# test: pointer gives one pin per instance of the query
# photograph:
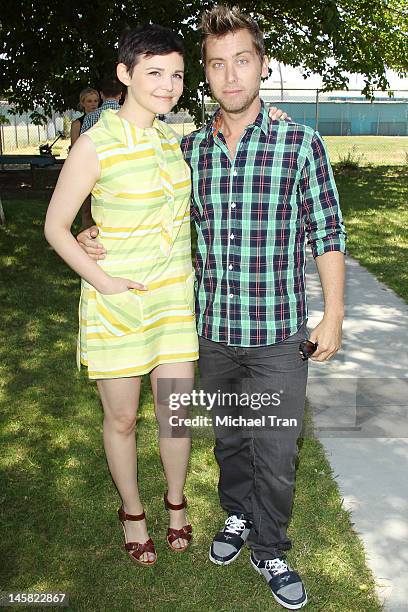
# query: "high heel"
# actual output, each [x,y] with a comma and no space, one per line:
[135,549]
[185,533]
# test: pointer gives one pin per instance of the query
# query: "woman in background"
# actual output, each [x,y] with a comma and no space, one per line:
[88,102]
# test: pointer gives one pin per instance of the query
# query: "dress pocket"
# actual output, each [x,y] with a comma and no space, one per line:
[119,313]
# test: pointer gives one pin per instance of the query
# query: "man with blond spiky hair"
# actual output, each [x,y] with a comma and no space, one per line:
[260,187]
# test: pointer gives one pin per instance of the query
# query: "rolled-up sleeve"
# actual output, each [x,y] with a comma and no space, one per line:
[320,200]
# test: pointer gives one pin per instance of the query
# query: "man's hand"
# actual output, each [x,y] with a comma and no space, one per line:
[328,336]
[277,113]
[87,240]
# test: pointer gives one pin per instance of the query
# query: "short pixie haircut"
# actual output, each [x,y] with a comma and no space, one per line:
[222,20]
[147,40]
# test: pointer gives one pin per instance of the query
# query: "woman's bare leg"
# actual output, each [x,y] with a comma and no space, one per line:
[174,452]
[120,400]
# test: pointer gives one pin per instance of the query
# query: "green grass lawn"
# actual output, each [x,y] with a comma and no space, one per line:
[371,150]
[375,206]
[59,529]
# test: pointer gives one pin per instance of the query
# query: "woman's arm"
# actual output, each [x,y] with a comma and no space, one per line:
[77,178]
[75,130]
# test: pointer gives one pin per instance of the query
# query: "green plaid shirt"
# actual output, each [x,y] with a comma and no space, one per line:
[253,215]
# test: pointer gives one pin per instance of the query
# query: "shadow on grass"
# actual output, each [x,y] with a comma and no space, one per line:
[377,187]
[59,526]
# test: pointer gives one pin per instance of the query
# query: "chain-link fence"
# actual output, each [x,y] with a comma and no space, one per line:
[355,129]
[19,134]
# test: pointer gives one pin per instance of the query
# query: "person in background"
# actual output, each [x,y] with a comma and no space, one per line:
[88,102]
[110,92]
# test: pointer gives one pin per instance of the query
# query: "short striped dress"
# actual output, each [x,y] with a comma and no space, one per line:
[141,205]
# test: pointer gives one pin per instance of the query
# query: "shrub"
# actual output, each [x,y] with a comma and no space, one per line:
[352,161]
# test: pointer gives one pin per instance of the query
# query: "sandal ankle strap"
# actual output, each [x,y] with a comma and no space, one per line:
[123,516]
[170,506]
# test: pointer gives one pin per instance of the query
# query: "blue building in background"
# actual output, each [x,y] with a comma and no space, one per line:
[348,117]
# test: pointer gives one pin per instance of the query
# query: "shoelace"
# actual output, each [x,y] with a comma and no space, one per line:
[277,566]
[234,525]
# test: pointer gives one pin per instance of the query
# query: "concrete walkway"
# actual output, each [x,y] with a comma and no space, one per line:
[360,404]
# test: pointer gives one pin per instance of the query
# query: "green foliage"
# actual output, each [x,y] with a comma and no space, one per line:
[53,49]
[38,118]
[4,120]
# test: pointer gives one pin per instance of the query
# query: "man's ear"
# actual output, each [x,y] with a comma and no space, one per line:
[265,67]
[123,75]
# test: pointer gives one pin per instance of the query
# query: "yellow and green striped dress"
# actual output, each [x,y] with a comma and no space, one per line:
[141,205]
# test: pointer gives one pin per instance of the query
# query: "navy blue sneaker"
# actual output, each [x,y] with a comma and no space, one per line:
[286,585]
[228,542]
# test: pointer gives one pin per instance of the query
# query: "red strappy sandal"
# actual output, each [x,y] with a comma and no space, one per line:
[135,549]
[185,533]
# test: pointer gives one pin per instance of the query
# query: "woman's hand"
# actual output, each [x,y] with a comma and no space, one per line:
[116,284]
[277,113]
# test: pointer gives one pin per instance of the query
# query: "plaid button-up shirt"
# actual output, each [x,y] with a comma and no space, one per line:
[93,117]
[253,214]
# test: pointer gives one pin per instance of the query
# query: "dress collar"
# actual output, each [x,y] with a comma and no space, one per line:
[126,132]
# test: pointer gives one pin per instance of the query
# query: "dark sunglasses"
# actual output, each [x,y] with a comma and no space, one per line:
[307,348]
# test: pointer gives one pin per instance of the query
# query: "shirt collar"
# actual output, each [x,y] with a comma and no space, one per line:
[160,126]
[262,121]
[109,103]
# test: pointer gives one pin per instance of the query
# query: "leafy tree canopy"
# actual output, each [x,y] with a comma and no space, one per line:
[50,50]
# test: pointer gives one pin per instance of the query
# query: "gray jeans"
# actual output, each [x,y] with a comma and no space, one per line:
[256,458]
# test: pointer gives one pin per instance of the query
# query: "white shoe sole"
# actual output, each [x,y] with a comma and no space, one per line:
[217,562]
[282,603]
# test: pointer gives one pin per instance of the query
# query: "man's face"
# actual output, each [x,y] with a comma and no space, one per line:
[234,70]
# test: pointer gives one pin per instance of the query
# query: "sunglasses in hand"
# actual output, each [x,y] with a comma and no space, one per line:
[307,348]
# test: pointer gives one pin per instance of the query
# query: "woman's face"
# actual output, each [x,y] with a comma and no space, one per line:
[90,103]
[156,83]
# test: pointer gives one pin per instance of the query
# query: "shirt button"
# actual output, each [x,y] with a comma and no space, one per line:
[232,236]
[233,205]
[231,295]
[230,267]
[235,173]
